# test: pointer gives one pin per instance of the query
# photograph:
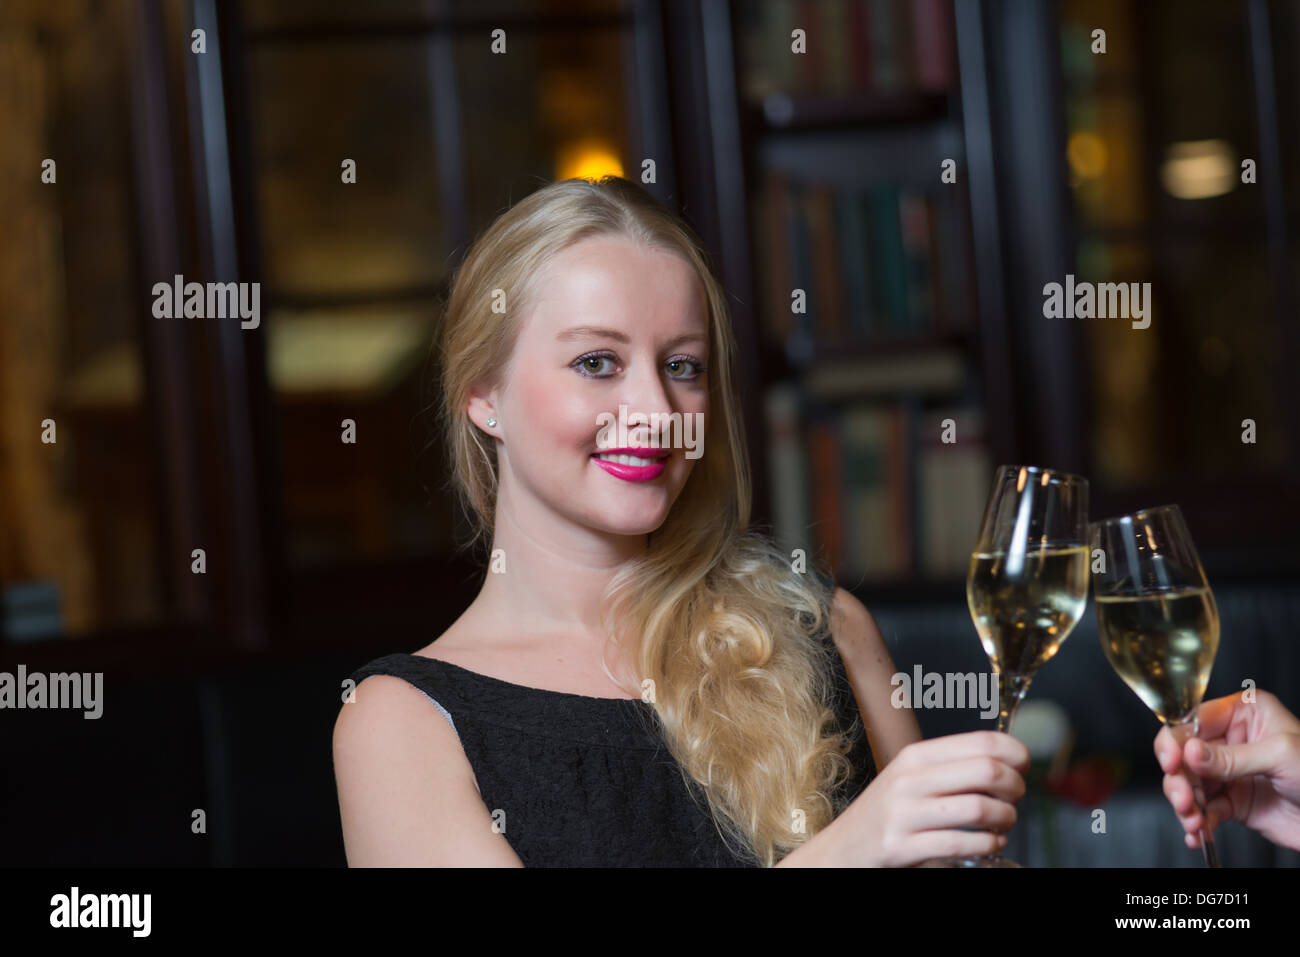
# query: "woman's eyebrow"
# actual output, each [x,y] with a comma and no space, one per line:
[598,332]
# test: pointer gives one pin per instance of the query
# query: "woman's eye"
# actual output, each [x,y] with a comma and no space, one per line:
[591,365]
[675,365]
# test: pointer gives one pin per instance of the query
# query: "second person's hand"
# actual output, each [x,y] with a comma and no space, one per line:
[1248,758]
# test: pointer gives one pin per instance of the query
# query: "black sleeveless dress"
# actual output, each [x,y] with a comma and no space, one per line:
[583,781]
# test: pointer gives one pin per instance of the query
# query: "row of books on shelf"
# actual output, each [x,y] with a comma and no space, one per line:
[867,261]
[874,488]
[875,47]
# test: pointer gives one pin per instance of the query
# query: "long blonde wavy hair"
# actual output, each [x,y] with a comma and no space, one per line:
[729,633]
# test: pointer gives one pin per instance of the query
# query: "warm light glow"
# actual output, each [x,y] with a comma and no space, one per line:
[1087,154]
[1199,169]
[587,159]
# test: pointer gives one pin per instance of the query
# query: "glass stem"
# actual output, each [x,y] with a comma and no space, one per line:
[1011,691]
[1183,731]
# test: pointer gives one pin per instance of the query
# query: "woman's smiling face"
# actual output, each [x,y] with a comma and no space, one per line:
[614,323]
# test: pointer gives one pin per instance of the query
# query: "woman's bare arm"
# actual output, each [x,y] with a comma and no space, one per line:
[407,796]
[870,669]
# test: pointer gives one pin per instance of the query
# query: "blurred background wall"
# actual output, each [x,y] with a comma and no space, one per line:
[919,170]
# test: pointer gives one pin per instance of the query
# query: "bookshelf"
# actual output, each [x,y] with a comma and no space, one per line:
[875,413]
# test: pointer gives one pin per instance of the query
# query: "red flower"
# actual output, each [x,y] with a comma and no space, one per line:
[1087,782]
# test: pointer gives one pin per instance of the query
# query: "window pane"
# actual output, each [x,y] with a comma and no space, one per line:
[1220,359]
[316,105]
[78,502]
[348,382]
[556,106]
[1168,400]
[1125,426]
[1157,128]
[1106,168]
[1203,114]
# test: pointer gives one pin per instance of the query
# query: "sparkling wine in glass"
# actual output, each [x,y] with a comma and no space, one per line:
[1158,622]
[1028,582]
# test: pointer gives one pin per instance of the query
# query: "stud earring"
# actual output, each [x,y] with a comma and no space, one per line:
[492,423]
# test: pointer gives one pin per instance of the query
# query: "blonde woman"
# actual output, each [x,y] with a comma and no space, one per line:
[642,680]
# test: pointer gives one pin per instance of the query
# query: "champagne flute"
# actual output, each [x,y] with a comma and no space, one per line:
[1028,582]
[1158,622]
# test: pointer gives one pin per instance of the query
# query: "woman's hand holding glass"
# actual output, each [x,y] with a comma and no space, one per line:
[915,809]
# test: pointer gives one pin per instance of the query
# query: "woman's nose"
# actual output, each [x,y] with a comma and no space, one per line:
[647,396]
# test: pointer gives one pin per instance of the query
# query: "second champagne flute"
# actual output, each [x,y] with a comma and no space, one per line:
[1159,624]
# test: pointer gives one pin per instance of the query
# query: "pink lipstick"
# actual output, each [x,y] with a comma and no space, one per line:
[650,465]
